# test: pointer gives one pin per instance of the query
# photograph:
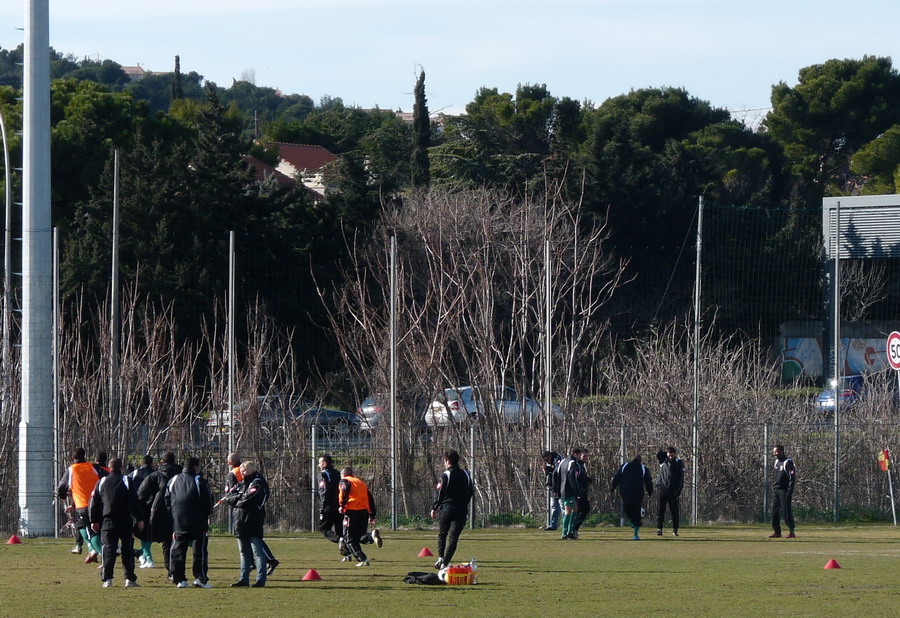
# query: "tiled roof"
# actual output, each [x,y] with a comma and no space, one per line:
[264,171]
[303,157]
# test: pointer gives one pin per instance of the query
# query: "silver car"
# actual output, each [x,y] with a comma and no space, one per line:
[454,405]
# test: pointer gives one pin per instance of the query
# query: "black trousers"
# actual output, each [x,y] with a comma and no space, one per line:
[331,524]
[781,507]
[584,509]
[178,556]
[356,524]
[633,513]
[112,533]
[167,554]
[451,522]
[667,498]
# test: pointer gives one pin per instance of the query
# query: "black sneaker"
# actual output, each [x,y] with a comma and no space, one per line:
[258,585]
[674,532]
[439,564]
[659,532]
[273,564]
[240,584]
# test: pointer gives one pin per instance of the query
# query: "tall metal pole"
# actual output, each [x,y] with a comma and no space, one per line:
[115,332]
[36,427]
[56,334]
[695,421]
[837,360]
[548,368]
[7,266]
[230,343]
[393,385]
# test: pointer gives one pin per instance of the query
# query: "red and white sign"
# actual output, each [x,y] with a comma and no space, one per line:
[893,350]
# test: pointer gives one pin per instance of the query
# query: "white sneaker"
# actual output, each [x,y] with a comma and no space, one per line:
[376,536]
[131,583]
[183,584]
[200,584]
[347,558]
[146,564]
[142,562]
[363,563]
[107,583]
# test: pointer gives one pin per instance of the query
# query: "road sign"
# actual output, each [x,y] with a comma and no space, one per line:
[893,350]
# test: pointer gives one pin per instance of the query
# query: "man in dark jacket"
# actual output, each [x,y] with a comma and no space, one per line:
[330,520]
[632,479]
[189,499]
[451,506]
[152,492]
[551,460]
[785,479]
[137,477]
[582,503]
[113,508]
[248,501]
[567,486]
[232,480]
[669,482]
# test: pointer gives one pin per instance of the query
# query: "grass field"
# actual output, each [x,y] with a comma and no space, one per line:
[715,571]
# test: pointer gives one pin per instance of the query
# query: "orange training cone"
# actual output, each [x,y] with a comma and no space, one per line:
[14,540]
[312,576]
[832,564]
[425,553]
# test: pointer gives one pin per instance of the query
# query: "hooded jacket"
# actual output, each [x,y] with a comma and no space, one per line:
[632,479]
[152,492]
[189,498]
[248,501]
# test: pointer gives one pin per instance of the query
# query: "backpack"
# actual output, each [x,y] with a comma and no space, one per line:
[421,577]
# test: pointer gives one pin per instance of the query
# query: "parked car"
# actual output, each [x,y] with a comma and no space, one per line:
[851,390]
[454,405]
[375,410]
[273,412]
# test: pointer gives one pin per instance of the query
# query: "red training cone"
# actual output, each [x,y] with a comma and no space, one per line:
[312,576]
[14,540]
[425,553]
[832,564]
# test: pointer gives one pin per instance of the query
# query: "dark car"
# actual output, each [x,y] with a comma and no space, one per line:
[309,413]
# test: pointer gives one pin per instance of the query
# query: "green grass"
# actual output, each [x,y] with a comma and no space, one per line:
[734,571]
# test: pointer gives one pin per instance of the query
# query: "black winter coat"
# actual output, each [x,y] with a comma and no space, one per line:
[190,500]
[152,492]
[248,501]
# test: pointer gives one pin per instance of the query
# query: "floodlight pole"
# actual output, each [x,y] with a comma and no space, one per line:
[548,368]
[36,425]
[115,416]
[836,290]
[393,380]
[695,421]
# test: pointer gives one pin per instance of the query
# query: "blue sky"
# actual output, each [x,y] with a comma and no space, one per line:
[368,53]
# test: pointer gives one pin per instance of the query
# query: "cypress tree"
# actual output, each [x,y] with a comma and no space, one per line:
[421,173]
[177,92]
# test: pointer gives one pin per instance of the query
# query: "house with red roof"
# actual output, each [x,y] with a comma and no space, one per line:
[305,163]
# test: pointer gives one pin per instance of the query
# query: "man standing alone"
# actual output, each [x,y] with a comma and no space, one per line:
[669,482]
[785,479]
[114,507]
[451,506]
[632,479]
[190,501]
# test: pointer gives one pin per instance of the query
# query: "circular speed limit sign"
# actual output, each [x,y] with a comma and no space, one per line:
[893,350]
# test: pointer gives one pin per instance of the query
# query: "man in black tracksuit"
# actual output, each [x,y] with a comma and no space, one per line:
[451,506]
[582,504]
[113,509]
[669,482]
[248,502]
[152,492]
[330,519]
[785,479]
[632,479]
[189,499]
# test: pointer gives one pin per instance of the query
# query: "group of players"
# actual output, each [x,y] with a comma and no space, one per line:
[172,505]
[568,482]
